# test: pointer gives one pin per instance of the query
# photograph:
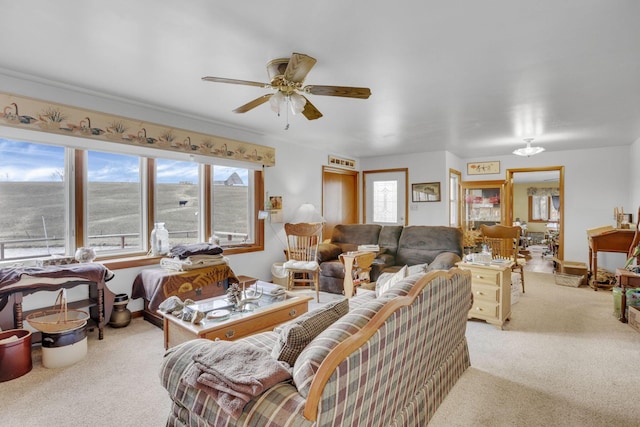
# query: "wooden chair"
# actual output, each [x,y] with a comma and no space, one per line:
[504,242]
[302,248]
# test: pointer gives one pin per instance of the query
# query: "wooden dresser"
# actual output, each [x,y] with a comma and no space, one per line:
[491,287]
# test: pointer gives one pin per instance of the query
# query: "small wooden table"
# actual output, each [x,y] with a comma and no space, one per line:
[238,325]
[626,280]
[357,269]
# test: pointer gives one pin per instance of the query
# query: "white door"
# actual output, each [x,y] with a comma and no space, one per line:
[385,197]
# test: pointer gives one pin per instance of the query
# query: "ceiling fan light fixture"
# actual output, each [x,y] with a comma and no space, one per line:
[276,102]
[297,103]
[528,151]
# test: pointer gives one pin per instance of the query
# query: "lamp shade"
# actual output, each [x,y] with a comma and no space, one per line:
[307,213]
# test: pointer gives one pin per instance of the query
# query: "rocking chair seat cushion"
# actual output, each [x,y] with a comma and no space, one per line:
[301,265]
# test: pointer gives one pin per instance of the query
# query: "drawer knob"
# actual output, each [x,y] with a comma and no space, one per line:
[478,309]
[478,293]
[478,276]
[292,313]
[230,333]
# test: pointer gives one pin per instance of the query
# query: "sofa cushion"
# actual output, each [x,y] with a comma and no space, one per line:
[387,280]
[297,334]
[352,235]
[422,243]
[312,356]
[389,236]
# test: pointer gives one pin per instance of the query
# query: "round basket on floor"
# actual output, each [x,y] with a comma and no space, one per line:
[58,318]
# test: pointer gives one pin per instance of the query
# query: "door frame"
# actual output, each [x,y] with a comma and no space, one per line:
[406,191]
[509,199]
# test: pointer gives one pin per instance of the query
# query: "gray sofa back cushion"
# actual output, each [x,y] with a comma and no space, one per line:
[389,236]
[419,243]
[349,236]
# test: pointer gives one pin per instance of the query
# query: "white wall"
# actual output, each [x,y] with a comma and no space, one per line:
[423,167]
[634,179]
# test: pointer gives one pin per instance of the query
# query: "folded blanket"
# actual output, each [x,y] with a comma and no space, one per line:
[192,262]
[233,373]
[186,250]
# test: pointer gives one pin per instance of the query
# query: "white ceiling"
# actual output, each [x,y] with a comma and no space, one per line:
[471,77]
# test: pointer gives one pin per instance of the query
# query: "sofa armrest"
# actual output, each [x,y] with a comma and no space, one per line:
[328,252]
[444,261]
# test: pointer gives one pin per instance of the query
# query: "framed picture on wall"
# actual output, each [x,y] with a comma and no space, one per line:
[425,192]
[483,168]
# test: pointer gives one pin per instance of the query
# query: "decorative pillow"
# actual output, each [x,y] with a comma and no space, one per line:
[387,280]
[295,335]
[418,268]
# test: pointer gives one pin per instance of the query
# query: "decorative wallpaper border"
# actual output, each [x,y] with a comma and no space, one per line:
[22,112]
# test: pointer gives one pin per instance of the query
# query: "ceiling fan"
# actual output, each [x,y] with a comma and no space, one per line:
[287,76]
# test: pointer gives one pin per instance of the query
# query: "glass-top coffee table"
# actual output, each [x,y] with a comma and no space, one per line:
[264,316]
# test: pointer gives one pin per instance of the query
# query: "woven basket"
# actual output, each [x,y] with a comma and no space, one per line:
[568,279]
[58,318]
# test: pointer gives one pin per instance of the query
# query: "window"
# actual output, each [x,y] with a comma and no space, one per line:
[114,203]
[454,198]
[231,204]
[57,198]
[385,200]
[542,209]
[178,200]
[32,191]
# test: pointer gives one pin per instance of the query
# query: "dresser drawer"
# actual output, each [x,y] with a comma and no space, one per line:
[483,309]
[485,276]
[484,292]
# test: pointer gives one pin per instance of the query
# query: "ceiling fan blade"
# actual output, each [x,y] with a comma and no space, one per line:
[253,104]
[346,91]
[310,111]
[298,67]
[235,82]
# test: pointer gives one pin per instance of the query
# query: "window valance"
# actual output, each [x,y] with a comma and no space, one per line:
[50,117]
[540,191]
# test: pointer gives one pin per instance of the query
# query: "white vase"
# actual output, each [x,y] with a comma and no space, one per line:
[159,239]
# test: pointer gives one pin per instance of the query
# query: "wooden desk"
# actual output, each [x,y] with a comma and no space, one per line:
[626,280]
[612,240]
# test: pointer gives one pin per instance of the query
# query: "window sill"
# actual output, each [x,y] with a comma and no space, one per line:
[144,260]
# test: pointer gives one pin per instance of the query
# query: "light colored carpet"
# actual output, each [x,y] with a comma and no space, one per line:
[563,359]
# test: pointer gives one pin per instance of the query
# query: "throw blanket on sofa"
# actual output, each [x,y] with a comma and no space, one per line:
[233,373]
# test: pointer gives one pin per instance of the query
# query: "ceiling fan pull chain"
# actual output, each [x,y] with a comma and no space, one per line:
[286,107]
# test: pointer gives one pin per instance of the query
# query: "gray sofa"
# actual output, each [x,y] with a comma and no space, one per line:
[437,246]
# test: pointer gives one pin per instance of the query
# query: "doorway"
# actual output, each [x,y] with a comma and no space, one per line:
[545,182]
[339,198]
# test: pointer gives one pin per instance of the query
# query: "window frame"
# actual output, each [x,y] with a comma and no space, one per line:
[531,203]
[76,200]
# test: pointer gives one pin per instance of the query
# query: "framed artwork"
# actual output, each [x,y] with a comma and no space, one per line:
[425,192]
[483,168]
[345,163]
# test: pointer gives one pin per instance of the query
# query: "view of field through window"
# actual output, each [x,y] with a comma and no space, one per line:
[33,188]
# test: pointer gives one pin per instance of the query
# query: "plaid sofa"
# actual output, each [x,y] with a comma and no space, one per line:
[390,361]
